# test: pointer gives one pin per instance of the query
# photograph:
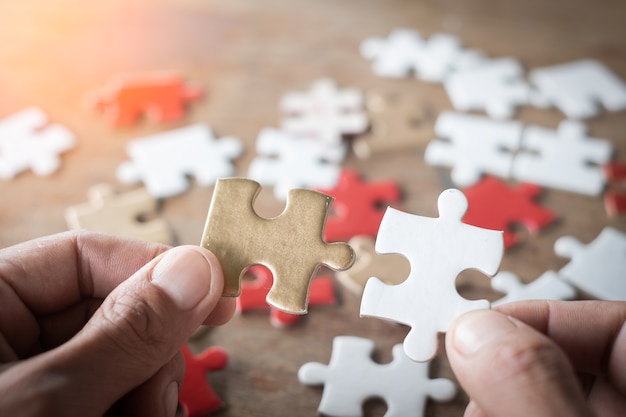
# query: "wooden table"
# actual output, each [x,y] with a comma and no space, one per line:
[247,54]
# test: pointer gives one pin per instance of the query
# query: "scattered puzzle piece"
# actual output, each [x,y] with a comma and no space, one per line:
[196,396]
[549,286]
[563,159]
[576,88]
[394,56]
[397,122]
[358,207]
[253,293]
[496,86]
[615,199]
[473,146]
[160,97]
[28,141]
[286,162]
[438,249]
[324,112]
[290,245]
[119,214]
[164,160]
[390,268]
[598,267]
[352,377]
[494,205]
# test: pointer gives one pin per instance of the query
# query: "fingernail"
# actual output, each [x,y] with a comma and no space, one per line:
[478,328]
[171,399]
[185,275]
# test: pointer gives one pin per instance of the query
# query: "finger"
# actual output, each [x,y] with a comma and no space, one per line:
[223,312]
[137,329]
[592,333]
[472,410]
[509,369]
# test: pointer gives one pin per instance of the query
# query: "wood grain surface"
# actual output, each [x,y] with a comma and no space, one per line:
[246,54]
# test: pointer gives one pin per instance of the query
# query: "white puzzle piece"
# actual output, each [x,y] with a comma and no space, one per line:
[598,268]
[495,86]
[352,377]
[287,162]
[576,88]
[566,159]
[28,141]
[164,160]
[473,146]
[549,286]
[324,112]
[395,56]
[438,249]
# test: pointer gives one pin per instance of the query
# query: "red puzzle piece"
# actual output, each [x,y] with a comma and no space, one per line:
[494,205]
[615,199]
[196,396]
[160,97]
[358,206]
[253,293]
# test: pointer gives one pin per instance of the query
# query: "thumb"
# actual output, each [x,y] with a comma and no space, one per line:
[141,325]
[509,369]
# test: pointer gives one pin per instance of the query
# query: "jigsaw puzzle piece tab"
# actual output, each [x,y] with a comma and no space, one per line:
[357,208]
[394,56]
[598,267]
[392,269]
[565,159]
[324,112]
[549,286]
[29,141]
[441,56]
[196,396]
[496,86]
[119,214]
[494,205]
[352,377]
[164,161]
[473,146]
[438,250]
[286,162]
[161,97]
[290,245]
[576,88]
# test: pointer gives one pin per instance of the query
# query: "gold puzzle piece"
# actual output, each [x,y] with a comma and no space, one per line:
[392,269]
[398,121]
[290,245]
[119,214]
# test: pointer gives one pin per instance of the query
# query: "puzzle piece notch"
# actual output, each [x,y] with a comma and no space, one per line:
[598,267]
[286,162]
[494,205]
[394,56]
[357,208]
[615,199]
[392,269]
[161,97]
[438,249]
[548,286]
[496,86]
[566,159]
[253,294]
[443,55]
[29,141]
[324,112]
[109,212]
[290,245]
[576,88]
[397,122]
[351,377]
[473,146]
[196,396]
[164,160]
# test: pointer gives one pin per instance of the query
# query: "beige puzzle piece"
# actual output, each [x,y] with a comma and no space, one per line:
[290,245]
[392,269]
[119,214]
[398,121]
